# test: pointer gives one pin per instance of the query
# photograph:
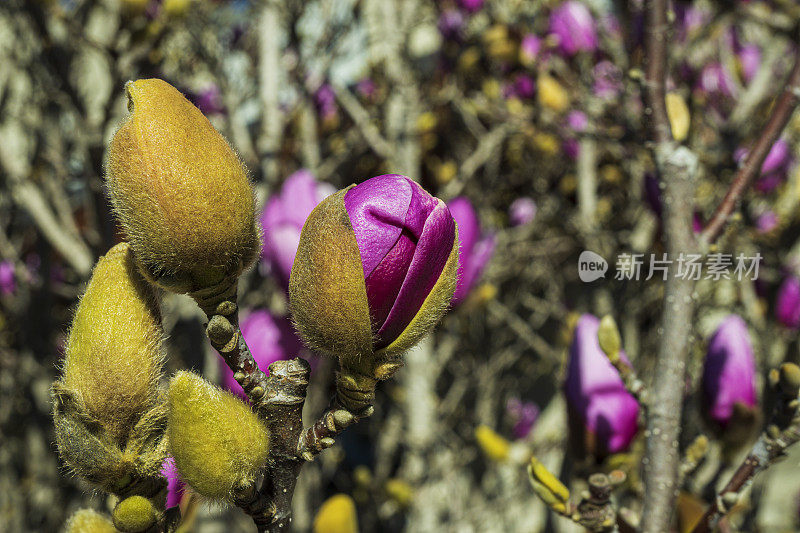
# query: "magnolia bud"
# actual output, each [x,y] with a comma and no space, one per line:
[180,192]
[374,272]
[89,521]
[134,514]
[218,443]
[114,353]
[679,117]
[337,515]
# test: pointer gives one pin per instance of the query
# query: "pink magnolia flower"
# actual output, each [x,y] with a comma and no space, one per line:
[787,305]
[574,26]
[405,237]
[471,6]
[529,48]
[524,416]
[270,338]
[476,248]
[603,416]
[283,219]
[775,167]
[175,485]
[729,371]
[8,281]
[522,211]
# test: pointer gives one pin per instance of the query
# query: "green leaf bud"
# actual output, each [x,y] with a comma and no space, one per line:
[134,514]
[218,443]
[180,192]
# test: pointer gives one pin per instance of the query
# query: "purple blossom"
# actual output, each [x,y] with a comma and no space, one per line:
[8,281]
[270,338]
[729,371]
[689,20]
[405,237]
[573,25]
[523,415]
[175,485]
[209,100]
[571,147]
[476,248]
[529,48]
[750,61]
[787,305]
[522,211]
[325,100]
[524,86]
[603,416]
[767,222]
[715,79]
[283,219]
[577,121]
[451,24]
[607,80]
[775,166]
[471,6]
[366,88]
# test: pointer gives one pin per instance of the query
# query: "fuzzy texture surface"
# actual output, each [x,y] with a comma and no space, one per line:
[729,371]
[89,521]
[134,514]
[475,250]
[603,415]
[283,219]
[217,441]
[114,352]
[337,515]
[327,292]
[181,193]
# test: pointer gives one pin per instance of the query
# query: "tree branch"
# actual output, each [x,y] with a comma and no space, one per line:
[751,168]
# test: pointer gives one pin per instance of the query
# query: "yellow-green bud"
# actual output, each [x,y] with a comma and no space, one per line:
[337,515]
[218,443]
[181,193]
[134,514]
[679,117]
[114,353]
[492,444]
[609,338]
[89,521]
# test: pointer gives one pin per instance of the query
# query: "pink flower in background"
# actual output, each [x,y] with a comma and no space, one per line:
[577,121]
[603,416]
[475,250]
[524,416]
[366,88]
[608,82]
[529,48]
[283,219]
[451,24]
[729,371]
[573,25]
[8,281]
[471,6]
[775,167]
[209,100]
[524,86]
[269,338]
[325,100]
[787,305]
[175,486]
[766,222]
[750,61]
[716,80]
[405,237]
[522,211]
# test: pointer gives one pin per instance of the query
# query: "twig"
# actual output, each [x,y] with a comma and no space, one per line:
[750,169]
[269,70]
[587,180]
[771,445]
[360,116]
[677,166]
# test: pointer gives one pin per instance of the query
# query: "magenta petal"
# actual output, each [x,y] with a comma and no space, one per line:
[596,394]
[378,209]
[432,250]
[470,271]
[787,305]
[175,485]
[469,230]
[729,370]
[385,282]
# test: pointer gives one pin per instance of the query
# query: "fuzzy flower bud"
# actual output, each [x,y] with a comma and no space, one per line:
[476,247]
[134,514]
[180,192]
[787,305]
[283,219]
[375,270]
[218,443]
[114,353]
[602,413]
[89,521]
[729,372]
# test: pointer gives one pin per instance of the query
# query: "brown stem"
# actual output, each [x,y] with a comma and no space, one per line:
[751,168]
[656,27]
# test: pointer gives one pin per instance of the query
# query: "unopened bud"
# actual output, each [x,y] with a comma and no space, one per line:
[134,515]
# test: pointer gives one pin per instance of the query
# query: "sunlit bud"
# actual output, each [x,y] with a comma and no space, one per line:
[337,515]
